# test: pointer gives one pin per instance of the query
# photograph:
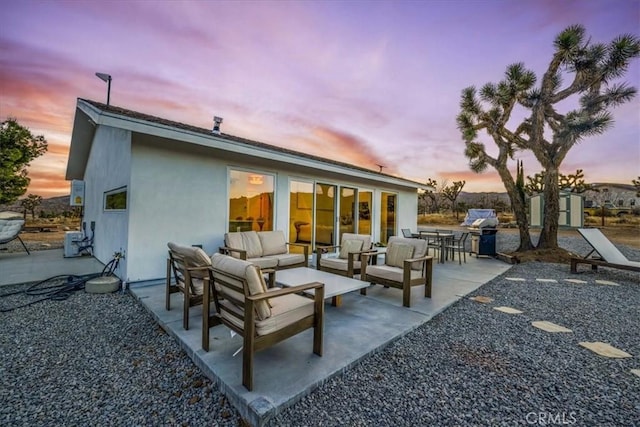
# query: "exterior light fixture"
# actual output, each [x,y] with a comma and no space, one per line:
[106,78]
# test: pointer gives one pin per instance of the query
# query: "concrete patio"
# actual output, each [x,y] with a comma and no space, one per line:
[286,372]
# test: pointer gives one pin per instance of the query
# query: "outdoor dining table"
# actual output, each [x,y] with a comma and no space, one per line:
[441,238]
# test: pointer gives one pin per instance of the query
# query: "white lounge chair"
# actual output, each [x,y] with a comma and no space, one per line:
[10,230]
[609,255]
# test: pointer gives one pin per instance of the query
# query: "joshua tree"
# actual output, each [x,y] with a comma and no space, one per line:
[593,68]
[491,112]
[451,193]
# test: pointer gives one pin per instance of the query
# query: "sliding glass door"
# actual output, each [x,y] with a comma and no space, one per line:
[387,216]
[325,214]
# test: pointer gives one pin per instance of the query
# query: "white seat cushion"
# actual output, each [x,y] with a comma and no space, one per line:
[390,273]
[264,262]
[338,264]
[9,229]
[289,259]
[286,310]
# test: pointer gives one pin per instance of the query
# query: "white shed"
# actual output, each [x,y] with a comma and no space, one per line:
[149,181]
[571,210]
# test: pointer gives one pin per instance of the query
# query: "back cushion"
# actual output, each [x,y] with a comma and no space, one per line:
[273,242]
[245,240]
[419,248]
[193,257]
[350,246]
[397,253]
[243,270]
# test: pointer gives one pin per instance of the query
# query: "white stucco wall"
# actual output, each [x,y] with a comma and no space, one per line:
[183,197]
[175,196]
[108,168]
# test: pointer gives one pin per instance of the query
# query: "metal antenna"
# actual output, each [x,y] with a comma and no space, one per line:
[381,166]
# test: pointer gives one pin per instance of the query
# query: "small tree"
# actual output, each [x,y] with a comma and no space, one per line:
[451,193]
[17,148]
[572,182]
[433,199]
[636,183]
[30,204]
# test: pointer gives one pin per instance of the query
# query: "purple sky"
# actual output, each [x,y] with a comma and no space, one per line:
[362,82]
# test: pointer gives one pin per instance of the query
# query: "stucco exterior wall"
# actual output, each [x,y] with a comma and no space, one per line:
[181,196]
[108,168]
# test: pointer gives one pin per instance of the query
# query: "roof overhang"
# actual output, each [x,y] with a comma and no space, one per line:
[89,116]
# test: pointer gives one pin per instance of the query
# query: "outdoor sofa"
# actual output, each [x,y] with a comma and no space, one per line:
[266,249]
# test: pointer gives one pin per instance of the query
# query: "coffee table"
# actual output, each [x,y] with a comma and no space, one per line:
[334,285]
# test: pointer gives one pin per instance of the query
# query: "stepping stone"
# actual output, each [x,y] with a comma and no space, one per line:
[636,371]
[547,280]
[576,281]
[604,349]
[508,310]
[607,282]
[515,279]
[550,327]
[484,300]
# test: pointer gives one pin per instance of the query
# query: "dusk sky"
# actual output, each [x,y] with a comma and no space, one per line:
[363,82]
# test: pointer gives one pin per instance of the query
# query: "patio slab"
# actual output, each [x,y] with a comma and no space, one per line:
[288,371]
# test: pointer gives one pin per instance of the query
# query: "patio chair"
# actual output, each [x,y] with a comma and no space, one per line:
[348,261]
[406,265]
[10,230]
[458,244]
[406,233]
[263,317]
[609,255]
[187,273]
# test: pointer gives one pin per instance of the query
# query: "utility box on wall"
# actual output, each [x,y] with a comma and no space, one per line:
[571,210]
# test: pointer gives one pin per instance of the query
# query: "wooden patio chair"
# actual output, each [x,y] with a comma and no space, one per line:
[262,316]
[10,230]
[406,265]
[609,255]
[350,251]
[187,273]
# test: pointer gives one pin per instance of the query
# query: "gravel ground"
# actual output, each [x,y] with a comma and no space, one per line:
[101,360]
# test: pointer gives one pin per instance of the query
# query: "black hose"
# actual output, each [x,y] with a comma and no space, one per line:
[60,287]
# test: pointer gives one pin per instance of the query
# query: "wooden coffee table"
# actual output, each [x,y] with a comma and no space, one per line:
[334,285]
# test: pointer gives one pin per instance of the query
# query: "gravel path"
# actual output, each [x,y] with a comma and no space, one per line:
[101,360]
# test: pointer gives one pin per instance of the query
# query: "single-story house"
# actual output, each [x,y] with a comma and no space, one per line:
[148,181]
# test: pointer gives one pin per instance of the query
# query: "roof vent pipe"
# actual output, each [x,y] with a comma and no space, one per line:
[216,125]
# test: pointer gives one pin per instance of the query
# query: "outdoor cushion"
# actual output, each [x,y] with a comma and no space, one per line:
[397,253]
[248,271]
[338,264]
[349,246]
[193,256]
[366,241]
[287,309]
[9,228]
[273,242]
[264,262]
[419,248]
[245,240]
[290,259]
[390,273]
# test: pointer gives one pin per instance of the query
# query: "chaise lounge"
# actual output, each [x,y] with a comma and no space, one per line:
[10,230]
[609,255]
